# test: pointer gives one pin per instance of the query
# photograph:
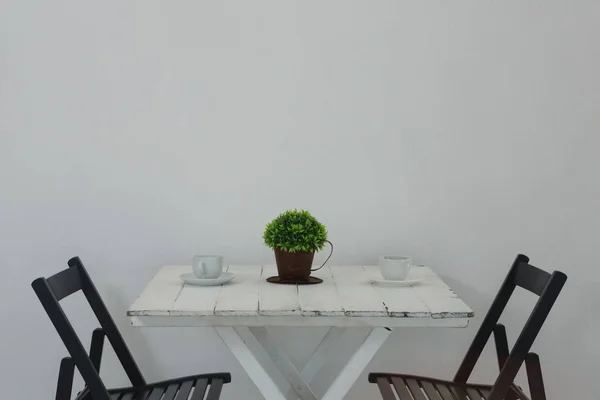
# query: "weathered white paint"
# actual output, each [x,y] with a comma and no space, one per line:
[191,301]
[162,291]
[277,300]
[441,299]
[345,298]
[349,281]
[239,298]
[321,300]
[404,301]
[296,321]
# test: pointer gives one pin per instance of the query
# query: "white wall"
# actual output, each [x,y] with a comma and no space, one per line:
[134,134]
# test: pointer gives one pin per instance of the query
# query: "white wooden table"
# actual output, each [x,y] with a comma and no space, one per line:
[345,299]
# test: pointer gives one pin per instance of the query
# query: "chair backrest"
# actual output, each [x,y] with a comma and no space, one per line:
[547,287]
[55,288]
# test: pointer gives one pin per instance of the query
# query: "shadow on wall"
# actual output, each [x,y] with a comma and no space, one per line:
[139,345]
[514,317]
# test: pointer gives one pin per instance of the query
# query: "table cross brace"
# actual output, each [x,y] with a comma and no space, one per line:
[300,381]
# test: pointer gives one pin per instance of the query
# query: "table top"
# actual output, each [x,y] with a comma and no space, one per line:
[347,297]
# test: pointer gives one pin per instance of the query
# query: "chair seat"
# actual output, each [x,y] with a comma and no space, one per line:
[410,387]
[187,388]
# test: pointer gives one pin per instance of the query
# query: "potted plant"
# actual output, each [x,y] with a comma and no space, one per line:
[295,236]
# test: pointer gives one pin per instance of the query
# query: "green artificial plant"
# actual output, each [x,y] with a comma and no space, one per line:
[294,231]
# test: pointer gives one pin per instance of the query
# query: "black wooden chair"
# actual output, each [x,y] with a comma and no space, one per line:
[547,287]
[55,288]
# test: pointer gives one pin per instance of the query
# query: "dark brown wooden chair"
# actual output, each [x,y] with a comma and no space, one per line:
[547,287]
[50,291]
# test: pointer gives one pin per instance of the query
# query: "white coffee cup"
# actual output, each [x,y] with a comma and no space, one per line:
[207,267]
[394,268]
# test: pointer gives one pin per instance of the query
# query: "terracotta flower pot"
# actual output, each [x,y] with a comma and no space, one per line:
[296,267]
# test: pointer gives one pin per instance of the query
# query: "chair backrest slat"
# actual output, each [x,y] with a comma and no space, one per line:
[488,324]
[65,283]
[531,278]
[55,288]
[522,274]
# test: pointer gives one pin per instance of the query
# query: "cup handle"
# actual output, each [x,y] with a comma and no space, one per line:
[328,257]
[203,268]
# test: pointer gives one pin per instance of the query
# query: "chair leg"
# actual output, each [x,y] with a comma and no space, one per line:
[96,347]
[502,351]
[534,376]
[501,344]
[65,379]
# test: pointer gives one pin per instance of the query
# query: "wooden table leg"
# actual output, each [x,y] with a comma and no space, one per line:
[357,363]
[249,363]
[283,363]
[318,357]
[300,381]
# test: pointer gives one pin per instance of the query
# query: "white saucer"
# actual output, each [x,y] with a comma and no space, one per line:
[191,279]
[387,282]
